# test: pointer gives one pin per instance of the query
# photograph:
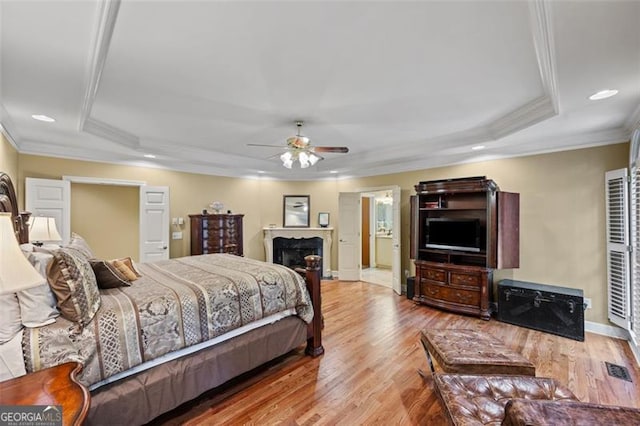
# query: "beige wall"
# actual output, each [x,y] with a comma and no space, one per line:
[562,237]
[8,159]
[562,214]
[109,214]
[260,200]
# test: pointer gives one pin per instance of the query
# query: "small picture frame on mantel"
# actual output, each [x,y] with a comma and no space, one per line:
[323,219]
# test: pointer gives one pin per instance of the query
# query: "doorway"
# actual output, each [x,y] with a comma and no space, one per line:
[153,211]
[382,236]
[377,227]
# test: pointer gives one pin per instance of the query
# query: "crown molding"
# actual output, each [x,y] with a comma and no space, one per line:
[7,128]
[109,132]
[7,135]
[527,115]
[106,21]
[544,44]
[545,106]
[633,122]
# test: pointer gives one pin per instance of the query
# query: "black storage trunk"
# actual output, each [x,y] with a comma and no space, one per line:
[556,310]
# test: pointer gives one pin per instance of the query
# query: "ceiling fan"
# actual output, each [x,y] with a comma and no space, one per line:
[299,148]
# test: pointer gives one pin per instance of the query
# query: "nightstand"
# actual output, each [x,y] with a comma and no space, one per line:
[50,386]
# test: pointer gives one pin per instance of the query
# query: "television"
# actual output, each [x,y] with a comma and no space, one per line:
[454,234]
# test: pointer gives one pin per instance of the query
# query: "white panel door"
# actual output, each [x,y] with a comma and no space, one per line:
[50,198]
[349,236]
[154,223]
[395,249]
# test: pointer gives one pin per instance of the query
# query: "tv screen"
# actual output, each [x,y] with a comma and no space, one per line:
[454,234]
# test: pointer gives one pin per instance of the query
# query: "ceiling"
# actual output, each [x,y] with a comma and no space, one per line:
[404,85]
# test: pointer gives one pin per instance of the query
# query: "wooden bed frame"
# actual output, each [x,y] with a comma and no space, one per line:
[140,398]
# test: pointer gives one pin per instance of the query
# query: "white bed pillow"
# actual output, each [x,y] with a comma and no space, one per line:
[11,358]
[38,306]
[10,322]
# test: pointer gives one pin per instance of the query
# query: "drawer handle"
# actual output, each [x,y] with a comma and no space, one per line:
[433,291]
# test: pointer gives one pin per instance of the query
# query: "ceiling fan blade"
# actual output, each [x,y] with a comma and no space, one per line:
[269,146]
[334,149]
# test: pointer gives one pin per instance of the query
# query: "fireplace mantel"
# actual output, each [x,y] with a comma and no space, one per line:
[324,233]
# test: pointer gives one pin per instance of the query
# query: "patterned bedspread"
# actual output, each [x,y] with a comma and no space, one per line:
[176,303]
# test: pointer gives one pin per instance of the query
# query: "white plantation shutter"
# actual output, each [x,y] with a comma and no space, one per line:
[618,271]
[634,326]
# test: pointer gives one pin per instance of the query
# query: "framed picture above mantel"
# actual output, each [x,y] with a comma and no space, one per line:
[295,211]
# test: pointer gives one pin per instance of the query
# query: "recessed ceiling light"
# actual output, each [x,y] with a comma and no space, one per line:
[478,147]
[603,94]
[41,117]
[149,156]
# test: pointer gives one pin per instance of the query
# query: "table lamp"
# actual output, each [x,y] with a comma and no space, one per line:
[16,273]
[43,229]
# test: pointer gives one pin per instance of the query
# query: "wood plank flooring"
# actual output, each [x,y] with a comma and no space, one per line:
[368,374]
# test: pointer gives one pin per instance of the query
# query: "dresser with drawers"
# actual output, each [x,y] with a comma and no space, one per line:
[458,288]
[216,233]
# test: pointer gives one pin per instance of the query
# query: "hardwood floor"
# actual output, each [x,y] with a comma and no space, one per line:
[368,374]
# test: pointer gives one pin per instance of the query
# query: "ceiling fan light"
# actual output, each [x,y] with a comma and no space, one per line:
[303,157]
[287,163]
[313,159]
[286,157]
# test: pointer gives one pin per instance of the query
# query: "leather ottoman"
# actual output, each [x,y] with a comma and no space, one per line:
[481,399]
[520,412]
[473,352]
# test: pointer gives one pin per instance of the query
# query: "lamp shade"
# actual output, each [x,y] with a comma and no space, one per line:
[16,273]
[43,229]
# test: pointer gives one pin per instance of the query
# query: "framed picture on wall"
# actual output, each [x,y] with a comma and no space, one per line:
[323,219]
[295,211]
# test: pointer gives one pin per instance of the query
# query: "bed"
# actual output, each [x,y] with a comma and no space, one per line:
[181,327]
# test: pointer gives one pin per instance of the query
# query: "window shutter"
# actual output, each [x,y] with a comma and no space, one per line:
[618,271]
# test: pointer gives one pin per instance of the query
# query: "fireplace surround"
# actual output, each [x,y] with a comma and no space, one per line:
[299,240]
[292,251]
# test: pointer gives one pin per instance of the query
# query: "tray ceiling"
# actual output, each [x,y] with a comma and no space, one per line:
[405,85]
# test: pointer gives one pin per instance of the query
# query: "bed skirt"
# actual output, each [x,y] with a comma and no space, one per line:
[140,398]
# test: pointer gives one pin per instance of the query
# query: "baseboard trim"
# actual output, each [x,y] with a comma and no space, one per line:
[606,330]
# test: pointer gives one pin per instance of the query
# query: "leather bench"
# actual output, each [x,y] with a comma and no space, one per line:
[520,412]
[473,352]
[481,399]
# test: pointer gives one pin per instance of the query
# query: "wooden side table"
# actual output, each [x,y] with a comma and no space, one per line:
[50,386]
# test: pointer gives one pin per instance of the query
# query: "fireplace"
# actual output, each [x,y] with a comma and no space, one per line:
[305,241]
[291,251]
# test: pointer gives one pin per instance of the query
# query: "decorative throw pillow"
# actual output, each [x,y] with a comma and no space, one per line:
[80,244]
[107,275]
[73,282]
[127,261]
[10,323]
[124,269]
